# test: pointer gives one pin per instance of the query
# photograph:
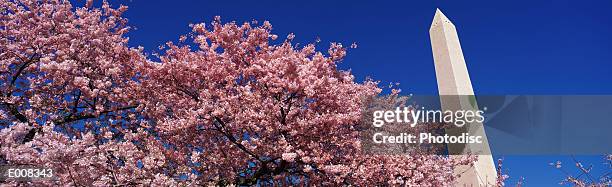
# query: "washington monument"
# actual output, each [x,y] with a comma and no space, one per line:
[455,90]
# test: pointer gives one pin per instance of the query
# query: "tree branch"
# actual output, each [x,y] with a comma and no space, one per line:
[233,140]
[71,118]
[33,58]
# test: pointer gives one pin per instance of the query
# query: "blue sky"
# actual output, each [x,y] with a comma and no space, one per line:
[511,47]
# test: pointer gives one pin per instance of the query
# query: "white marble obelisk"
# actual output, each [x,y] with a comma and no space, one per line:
[455,89]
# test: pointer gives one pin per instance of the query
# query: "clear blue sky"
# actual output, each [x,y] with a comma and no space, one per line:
[511,47]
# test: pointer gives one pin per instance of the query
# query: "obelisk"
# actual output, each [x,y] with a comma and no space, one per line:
[456,93]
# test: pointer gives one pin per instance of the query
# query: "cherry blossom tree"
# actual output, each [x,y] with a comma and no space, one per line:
[585,176]
[65,80]
[228,104]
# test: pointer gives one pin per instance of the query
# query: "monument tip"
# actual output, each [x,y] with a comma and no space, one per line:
[438,11]
[440,18]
